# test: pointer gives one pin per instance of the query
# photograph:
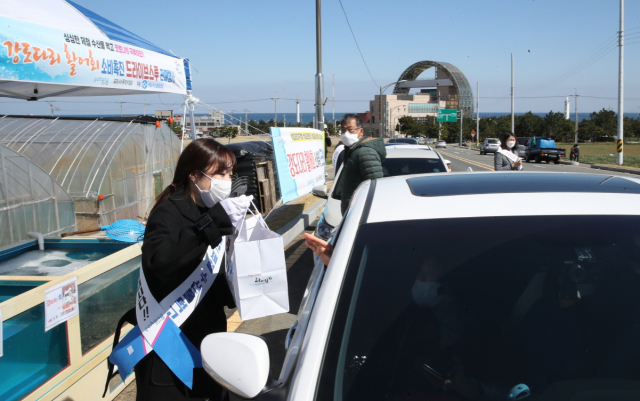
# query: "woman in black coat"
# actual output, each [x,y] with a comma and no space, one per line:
[186,219]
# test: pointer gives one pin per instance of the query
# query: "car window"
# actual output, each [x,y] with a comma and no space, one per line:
[534,306]
[493,141]
[405,166]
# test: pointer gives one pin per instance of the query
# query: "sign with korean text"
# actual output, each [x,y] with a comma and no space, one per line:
[60,303]
[447,115]
[300,160]
[35,53]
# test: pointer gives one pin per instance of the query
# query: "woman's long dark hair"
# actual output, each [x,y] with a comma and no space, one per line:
[197,157]
[503,142]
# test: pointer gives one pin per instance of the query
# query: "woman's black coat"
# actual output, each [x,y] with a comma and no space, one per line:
[173,247]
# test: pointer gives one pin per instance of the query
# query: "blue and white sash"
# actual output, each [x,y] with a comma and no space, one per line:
[511,156]
[159,322]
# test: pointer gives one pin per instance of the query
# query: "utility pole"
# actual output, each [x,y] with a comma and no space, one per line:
[513,124]
[319,78]
[576,95]
[461,116]
[51,107]
[275,112]
[477,112]
[620,157]
[246,121]
[297,111]
[333,99]
[120,106]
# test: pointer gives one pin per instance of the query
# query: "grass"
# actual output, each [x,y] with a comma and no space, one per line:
[605,153]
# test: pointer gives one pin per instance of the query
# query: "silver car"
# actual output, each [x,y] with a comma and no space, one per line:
[490,145]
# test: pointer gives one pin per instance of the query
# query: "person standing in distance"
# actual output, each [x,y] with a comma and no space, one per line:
[363,160]
[507,159]
[190,215]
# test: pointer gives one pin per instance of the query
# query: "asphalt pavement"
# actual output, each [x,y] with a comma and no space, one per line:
[462,158]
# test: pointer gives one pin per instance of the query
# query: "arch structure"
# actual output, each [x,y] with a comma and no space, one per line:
[460,98]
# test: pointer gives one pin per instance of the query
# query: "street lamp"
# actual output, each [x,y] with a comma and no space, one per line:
[380,100]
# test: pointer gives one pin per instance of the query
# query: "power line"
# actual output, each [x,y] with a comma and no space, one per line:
[354,39]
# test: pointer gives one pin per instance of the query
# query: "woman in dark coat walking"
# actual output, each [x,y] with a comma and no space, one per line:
[187,218]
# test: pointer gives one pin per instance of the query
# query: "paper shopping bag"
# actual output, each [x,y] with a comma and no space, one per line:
[256,270]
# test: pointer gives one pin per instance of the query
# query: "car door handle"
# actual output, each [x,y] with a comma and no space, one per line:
[290,333]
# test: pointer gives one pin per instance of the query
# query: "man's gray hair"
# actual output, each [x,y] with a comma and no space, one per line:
[347,117]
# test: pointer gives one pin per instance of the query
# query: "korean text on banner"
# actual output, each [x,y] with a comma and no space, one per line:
[60,303]
[37,53]
[300,160]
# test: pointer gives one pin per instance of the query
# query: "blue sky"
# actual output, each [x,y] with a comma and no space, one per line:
[245,50]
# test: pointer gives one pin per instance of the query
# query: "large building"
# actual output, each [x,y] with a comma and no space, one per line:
[447,89]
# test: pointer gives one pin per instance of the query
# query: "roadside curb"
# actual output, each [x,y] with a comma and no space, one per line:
[296,226]
[569,163]
[618,169]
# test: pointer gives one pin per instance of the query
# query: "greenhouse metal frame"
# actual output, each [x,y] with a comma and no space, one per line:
[113,168]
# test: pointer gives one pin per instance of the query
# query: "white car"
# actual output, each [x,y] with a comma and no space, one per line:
[400,160]
[441,144]
[426,284]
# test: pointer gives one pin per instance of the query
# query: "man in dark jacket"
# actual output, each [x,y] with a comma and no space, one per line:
[363,160]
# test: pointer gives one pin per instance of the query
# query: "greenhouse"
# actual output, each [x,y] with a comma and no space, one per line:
[30,200]
[112,168]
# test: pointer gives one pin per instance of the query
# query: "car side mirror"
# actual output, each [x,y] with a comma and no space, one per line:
[320,191]
[238,362]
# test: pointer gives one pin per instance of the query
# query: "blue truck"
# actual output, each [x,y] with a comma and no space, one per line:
[541,148]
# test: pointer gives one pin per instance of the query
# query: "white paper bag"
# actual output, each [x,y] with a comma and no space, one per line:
[256,270]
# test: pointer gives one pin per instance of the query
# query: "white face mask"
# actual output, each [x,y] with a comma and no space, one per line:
[511,144]
[349,139]
[218,191]
[425,294]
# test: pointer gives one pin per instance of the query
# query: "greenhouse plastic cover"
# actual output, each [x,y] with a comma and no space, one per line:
[30,200]
[128,163]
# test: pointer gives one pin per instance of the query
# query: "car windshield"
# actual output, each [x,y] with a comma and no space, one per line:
[488,303]
[401,166]
[493,141]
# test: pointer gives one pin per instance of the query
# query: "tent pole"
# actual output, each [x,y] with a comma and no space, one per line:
[191,103]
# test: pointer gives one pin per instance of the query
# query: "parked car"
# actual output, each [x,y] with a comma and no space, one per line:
[542,148]
[522,146]
[410,141]
[441,144]
[417,292]
[490,145]
[464,143]
[399,161]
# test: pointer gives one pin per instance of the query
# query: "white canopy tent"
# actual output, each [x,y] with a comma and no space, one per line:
[59,48]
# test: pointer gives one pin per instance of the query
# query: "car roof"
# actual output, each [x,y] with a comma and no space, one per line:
[413,152]
[476,194]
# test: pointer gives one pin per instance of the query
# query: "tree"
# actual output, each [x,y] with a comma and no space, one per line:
[528,125]
[175,127]
[556,126]
[601,125]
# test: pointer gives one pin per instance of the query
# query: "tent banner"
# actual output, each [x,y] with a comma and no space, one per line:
[36,53]
[300,160]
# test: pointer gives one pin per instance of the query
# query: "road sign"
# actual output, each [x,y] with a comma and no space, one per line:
[473,134]
[447,115]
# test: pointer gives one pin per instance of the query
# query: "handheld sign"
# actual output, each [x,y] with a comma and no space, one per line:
[300,160]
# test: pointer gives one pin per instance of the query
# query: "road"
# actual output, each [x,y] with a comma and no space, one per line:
[462,158]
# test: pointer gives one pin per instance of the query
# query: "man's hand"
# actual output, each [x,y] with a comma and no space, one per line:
[323,249]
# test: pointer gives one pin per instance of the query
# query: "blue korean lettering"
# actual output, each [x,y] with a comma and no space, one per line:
[189,295]
[215,258]
[107,66]
[210,266]
[182,305]
[203,276]
[118,68]
[174,311]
